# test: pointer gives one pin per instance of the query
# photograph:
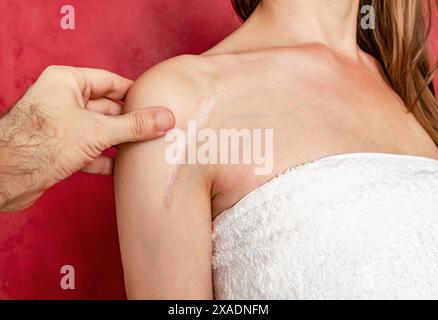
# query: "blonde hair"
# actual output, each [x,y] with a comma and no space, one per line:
[399,43]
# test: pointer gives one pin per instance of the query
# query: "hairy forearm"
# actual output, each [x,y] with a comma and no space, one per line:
[5,180]
[4,192]
[18,151]
[5,170]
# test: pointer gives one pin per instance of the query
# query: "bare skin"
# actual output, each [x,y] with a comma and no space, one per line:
[295,68]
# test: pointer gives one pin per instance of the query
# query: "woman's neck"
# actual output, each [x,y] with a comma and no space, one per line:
[293,22]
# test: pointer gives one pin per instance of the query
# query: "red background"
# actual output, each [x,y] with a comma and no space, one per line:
[74,223]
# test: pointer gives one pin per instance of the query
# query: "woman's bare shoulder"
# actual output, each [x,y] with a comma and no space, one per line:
[180,83]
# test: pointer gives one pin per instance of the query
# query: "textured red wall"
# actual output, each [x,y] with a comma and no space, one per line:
[74,223]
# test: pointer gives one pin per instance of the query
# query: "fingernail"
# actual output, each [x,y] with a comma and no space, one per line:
[164,120]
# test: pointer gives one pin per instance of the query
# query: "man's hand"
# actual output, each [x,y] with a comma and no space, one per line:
[62,125]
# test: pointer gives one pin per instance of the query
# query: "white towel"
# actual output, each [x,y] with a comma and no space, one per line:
[354,226]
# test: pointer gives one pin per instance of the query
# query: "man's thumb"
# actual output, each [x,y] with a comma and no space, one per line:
[140,125]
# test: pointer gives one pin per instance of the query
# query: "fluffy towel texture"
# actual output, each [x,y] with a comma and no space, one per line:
[354,226]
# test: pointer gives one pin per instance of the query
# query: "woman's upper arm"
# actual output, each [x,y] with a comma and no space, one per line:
[163,213]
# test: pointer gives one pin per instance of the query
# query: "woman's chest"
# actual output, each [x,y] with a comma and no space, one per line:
[257,141]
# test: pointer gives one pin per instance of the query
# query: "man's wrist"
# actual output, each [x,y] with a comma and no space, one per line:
[4,192]
[16,172]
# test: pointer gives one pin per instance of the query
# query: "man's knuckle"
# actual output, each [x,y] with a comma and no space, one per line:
[139,124]
[49,69]
[52,69]
[59,73]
